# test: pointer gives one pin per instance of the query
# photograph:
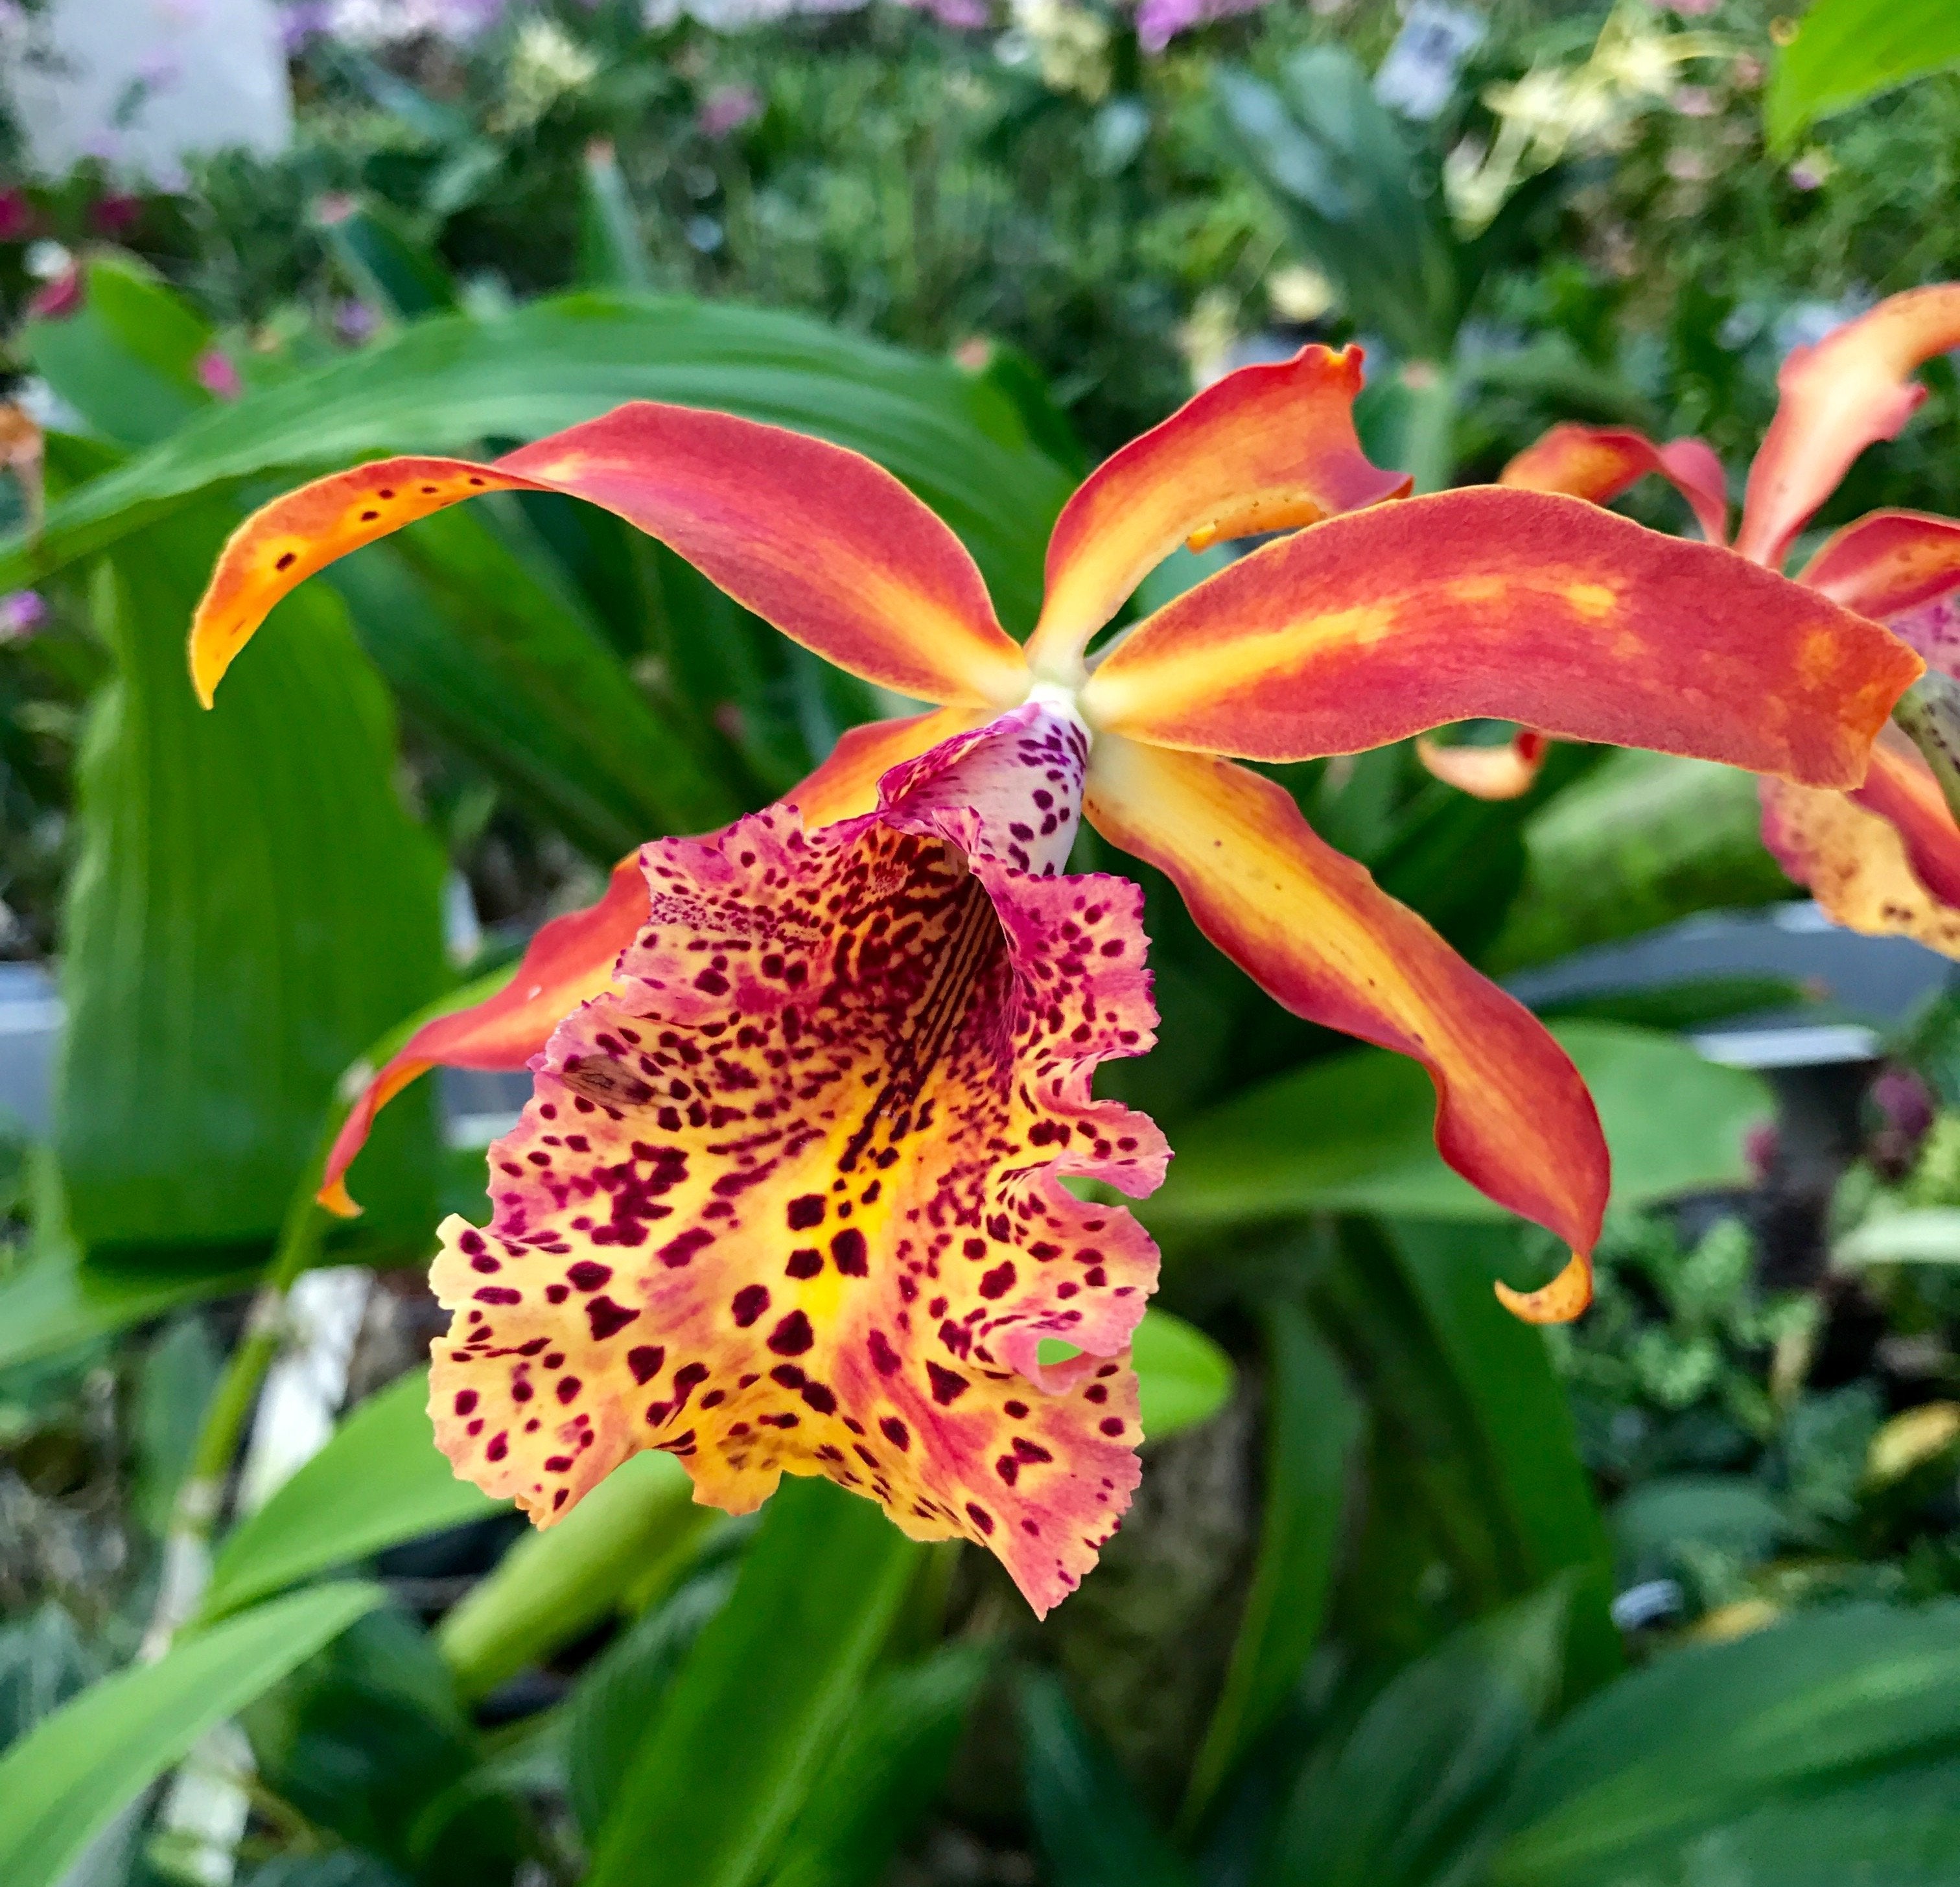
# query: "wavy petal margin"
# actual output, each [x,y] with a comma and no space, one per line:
[846,785]
[815,539]
[1509,606]
[1894,567]
[1599,462]
[569,960]
[1266,448]
[1507,772]
[1312,928]
[1885,861]
[788,1198]
[1850,391]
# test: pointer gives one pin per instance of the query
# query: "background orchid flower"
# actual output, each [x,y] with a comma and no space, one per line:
[787,1195]
[1884,857]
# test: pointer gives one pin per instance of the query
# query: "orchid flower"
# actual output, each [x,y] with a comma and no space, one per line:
[1885,857]
[788,1194]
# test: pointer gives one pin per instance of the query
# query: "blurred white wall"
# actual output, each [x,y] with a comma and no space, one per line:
[139,83]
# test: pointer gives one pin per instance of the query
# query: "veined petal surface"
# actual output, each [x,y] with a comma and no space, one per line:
[1312,928]
[788,1195]
[1513,606]
[1849,390]
[1900,569]
[1507,772]
[1599,462]
[1885,861]
[569,960]
[815,539]
[1266,448]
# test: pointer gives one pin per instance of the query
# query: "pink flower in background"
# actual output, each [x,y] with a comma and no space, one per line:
[22,611]
[1690,9]
[726,109]
[1694,101]
[114,216]
[216,375]
[1161,21]
[16,216]
[58,299]
[965,16]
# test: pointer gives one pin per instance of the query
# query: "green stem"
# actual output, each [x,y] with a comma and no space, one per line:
[1429,443]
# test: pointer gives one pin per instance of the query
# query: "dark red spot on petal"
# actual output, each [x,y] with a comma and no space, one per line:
[645,1362]
[947,1385]
[847,1253]
[608,1319]
[748,1303]
[792,1337]
[585,1275]
[806,1211]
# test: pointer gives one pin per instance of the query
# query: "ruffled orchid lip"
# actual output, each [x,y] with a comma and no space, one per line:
[788,1197]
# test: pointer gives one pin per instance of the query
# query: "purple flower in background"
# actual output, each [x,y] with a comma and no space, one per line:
[217,376]
[1161,21]
[727,109]
[965,16]
[303,22]
[355,321]
[159,69]
[22,611]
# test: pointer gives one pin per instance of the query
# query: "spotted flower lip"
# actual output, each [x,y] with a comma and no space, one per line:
[1882,857]
[882,983]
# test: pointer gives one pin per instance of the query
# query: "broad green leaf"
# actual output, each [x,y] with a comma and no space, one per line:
[384,258]
[173,1390]
[252,907]
[125,358]
[1729,1514]
[1846,51]
[1313,1426]
[1092,1827]
[1803,1734]
[450,381]
[1405,1799]
[768,1688]
[66,1781]
[482,650]
[555,1585]
[1354,1133]
[1183,1378]
[611,254]
[43,1663]
[884,1774]
[56,1300]
[380,1480]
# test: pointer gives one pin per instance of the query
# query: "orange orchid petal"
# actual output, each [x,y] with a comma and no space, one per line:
[1509,605]
[788,1196]
[847,783]
[1901,568]
[1599,463]
[1885,861]
[1266,448]
[1488,773]
[828,546]
[1851,389]
[1313,930]
[570,959]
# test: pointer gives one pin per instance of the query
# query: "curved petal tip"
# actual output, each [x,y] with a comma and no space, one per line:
[1559,1302]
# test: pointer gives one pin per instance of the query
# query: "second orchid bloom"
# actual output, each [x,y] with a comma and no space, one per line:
[789,1192]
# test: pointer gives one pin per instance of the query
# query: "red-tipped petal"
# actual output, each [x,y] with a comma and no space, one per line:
[1901,568]
[1599,463]
[1851,389]
[1885,859]
[847,783]
[1488,773]
[1313,930]
[830,548]
[570,958]
[1267,448]
[1509,606]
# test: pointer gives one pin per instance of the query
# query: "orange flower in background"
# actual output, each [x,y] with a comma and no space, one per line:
[1883,858]
[787,1195]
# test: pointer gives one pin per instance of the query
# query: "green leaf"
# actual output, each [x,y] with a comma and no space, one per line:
[65,1782]
[1183,1378]
[1752,1751]
[383,258]
[556,1584]
[450,381]
[125,358]
[481,650]
[768,1689]
[1728,1514]
[1355,1134]
[379,1480]
[172,1392]
[611,254]
[251,908]
[1405,1799]
[1846,51]
[57,1300]
[1090,1825]
[1314,1425]
[885,1773]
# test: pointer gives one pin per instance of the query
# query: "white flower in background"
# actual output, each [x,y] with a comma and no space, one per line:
[1553,111]
[546,64]
[384,23]
[1067,44]
[1299,294]
[1209,334]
